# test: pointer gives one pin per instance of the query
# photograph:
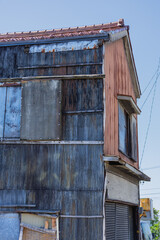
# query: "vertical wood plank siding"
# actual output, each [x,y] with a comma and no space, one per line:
[117,82]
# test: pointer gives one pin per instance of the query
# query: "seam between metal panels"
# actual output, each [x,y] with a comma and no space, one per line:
[58,66]
[55,142]
[79,216]
[83,111]
[52,189]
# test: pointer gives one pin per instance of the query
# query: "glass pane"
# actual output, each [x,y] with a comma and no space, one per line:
[13,113]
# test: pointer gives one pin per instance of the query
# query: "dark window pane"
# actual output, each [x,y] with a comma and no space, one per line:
[122,130]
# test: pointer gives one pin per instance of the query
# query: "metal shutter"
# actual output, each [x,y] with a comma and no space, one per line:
[110,211]
[117,222]
[131,224]
[122,223]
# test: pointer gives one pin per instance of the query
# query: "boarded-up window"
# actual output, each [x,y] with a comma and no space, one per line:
[127,133]
[41,227]
[10,111]
[41,110]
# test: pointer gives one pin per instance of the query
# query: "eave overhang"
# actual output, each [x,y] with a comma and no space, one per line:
[129,104]
[101,36]
[116,161]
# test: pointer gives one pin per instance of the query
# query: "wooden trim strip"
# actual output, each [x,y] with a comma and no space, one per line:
[55,77]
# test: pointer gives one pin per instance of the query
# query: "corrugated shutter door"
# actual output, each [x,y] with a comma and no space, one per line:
[110,211]
[117,221]
[122,222]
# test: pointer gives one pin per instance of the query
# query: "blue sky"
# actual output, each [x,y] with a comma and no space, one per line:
[144,20]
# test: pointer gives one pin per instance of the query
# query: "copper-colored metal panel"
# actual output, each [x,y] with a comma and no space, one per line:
[117,82]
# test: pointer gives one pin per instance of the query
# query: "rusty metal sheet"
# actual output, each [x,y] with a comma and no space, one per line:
[78,229]
[81,95]
[9,226]
[83,126]
[13,113]
[41,110]
[12,197]
[64,46]
[2,109]
[76,167]
[88,61]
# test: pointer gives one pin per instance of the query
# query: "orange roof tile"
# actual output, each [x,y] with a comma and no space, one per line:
[63,32]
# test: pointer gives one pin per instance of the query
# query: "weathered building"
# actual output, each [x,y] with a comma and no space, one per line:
[68,130]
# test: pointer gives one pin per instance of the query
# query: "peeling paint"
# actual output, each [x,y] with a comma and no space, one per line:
[66,46]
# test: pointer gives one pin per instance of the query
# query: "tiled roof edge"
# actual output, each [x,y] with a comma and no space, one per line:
[60,33]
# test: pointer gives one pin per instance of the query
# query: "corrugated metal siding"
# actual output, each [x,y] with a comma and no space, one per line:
[80,126]
[73,229]
[82,95]
[76,167]
[18,62]
[68,178]
[117,82]
[82,105]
